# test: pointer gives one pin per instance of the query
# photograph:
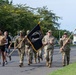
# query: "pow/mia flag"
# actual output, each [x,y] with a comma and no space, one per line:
[35,38]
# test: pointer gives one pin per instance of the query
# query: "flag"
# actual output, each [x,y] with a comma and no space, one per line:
[35,38]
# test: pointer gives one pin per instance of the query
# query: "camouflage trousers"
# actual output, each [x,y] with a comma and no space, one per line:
[39,55]
[48,55]
[35,56]
[29,54]
[65,58]
[21,53]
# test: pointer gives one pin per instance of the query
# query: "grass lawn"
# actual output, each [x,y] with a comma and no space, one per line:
[68,70]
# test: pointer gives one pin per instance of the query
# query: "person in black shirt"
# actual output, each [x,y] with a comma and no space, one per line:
[7,45]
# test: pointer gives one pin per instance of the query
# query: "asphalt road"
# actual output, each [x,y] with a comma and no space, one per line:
[12,67]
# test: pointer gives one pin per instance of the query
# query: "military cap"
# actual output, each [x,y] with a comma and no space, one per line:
[21,31]
[27,31]
[65,33]
[49,31]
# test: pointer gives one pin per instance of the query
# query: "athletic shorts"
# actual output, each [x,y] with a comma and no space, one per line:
[2,48]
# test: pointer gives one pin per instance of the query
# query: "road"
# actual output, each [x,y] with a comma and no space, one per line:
[12,67]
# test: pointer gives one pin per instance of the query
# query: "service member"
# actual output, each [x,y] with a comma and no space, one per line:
[65,49]
[39,55]
[20,44]
[48,42]
[28,50]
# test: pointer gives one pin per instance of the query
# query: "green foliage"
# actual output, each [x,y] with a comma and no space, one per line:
[3,2]
[22,17]
[50,20]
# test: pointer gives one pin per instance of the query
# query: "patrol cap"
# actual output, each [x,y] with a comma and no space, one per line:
[21,31]
[27,31]
[65,33]
[49,31]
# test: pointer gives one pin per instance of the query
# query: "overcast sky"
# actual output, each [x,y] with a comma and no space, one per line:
[63,8]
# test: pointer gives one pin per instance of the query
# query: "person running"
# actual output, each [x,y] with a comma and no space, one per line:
[7,45]
[2,47]
[20,45]
[65,49]
[48,42]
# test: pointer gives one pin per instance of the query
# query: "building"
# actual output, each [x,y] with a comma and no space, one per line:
[74,39]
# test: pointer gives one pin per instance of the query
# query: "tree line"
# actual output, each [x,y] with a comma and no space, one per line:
[14,18]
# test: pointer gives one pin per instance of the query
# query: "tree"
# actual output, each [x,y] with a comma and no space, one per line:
[21,17]
[3,2]
[49,19]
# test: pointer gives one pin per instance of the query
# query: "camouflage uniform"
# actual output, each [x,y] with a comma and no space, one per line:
[28,51]
[48,48]
[35,56]
[39,55]
[21,48]
[66,51]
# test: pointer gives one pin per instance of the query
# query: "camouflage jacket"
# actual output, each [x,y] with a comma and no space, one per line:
[19,43]
[67,45]
[46,42]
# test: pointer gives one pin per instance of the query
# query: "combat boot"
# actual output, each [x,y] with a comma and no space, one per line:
[63,63]
[41,58]
[35,61]
[21,64]
[38,60]
[67,60]
[47,63]
[29,62]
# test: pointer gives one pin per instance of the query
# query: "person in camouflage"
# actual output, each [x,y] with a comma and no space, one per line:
[39,55]
[20,42]
[66,50]
[28,50]
[48,42]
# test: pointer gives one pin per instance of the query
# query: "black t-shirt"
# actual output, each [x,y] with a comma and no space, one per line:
[8,39]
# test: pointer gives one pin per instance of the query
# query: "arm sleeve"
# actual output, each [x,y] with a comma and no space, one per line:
[16,42]
[60,43]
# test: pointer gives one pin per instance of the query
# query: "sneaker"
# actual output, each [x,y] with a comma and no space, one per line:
[6,62]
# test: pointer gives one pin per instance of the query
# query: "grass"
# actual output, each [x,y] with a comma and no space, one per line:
[68,70]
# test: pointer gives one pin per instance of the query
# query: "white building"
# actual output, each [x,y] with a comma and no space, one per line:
[74,39]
